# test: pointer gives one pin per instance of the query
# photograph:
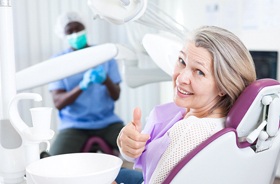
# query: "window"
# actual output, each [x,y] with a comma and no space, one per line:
[266,63]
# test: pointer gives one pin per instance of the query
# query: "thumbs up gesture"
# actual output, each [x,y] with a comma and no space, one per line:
[131,141]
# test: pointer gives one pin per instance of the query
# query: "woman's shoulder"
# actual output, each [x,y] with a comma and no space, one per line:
[219,123]
[165,113]
[167,109]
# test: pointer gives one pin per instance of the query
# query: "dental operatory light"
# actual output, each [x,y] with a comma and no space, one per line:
[148,14]
[118,11]
[166,59]
[140,11]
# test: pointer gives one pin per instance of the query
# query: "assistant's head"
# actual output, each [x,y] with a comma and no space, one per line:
[212,70]
[69,25]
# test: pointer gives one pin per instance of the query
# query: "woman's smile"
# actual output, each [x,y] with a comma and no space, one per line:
[182,91]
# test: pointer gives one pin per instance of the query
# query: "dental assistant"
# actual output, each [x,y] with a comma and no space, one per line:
[86,100]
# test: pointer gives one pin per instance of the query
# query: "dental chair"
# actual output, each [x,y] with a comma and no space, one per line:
[246,151]
[99,144]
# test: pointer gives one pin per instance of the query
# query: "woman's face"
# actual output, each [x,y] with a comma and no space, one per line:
[193,79]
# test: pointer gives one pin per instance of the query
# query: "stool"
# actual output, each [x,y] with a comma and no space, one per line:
[105,148]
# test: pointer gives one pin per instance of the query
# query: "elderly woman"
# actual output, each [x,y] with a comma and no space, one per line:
[212,69]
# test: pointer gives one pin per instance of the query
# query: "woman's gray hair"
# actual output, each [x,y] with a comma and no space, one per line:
[233,66]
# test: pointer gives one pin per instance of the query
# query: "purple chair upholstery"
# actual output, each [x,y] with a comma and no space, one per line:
[245,100]
[94,140]
[235,116]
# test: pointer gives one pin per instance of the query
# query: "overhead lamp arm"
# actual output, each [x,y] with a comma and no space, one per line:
[140,11]
[70,64]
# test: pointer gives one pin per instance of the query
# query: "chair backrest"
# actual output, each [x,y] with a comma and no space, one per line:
[246,151]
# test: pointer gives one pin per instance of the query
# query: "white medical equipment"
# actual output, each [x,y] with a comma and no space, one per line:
[74,168]
[145,13]
[140,11]
[226,157]
[19,143]
[164,50]
[37,75]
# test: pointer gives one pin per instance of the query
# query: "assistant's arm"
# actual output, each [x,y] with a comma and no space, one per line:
[62,98]
[113,89]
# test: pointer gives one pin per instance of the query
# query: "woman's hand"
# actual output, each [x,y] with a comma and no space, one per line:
[131,141]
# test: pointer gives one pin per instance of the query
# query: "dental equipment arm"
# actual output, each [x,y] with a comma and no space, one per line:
[15,118]
[118,12]
[140,11]
[163,50]
[69,64]
[135,77]
[148,14]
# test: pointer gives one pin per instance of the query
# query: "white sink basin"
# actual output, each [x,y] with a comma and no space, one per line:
[75,168]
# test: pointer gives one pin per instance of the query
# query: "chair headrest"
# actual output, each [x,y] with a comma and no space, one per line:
[247,110]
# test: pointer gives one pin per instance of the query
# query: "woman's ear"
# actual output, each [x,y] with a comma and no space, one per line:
[221,94]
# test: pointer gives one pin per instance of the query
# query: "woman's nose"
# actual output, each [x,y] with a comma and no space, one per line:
[184,76]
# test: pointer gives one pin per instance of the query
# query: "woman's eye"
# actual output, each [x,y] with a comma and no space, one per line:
[181,61]
[199,72]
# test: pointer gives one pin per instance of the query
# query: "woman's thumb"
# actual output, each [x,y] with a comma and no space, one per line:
[137,119]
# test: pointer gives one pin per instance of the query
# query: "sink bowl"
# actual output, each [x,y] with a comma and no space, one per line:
[83,168]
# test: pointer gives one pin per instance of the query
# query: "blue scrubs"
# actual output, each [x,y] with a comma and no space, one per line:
[94,108]
[92,114]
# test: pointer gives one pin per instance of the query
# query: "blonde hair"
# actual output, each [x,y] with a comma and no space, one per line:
[233,65]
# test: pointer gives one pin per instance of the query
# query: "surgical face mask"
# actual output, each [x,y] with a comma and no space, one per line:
[77,40]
